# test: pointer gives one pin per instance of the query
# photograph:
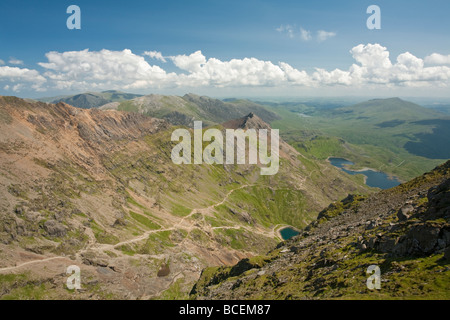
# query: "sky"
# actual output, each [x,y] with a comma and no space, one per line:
[226,48]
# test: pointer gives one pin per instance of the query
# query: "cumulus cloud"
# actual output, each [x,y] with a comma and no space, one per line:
[409,70]
[324,35]
[236,72]
[192,63]
[437,59]
[295,76]
[155,55]
[86,69]
[19,78]
[105,69]
[2,62]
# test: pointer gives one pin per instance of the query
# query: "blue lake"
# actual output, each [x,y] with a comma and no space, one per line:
[374,179]
[288,233]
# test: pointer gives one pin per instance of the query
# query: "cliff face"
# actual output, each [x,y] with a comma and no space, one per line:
[405,231]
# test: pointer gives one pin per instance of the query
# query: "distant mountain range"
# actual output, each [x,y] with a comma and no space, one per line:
[184,110]
[91,99]
[177,110]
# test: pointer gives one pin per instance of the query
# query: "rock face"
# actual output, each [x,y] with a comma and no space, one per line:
[404,230]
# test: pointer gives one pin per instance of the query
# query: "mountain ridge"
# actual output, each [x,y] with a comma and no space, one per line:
[90,100]
[190,107]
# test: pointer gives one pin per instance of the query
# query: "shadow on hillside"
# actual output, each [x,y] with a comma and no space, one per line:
[434,145]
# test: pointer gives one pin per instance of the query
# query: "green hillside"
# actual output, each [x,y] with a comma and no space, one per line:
[391,135]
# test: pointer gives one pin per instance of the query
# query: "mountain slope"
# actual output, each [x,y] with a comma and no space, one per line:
[98,189]
[405,231]
[379,110]
[184,110]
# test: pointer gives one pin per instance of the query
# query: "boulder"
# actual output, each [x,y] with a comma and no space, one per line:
[55,229]
[404,213]
[425,235]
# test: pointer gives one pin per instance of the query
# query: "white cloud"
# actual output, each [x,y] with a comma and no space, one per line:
[437,59]
[324,35]
[105,69]
[2,62]
[305,35]
[192,63]
[20,74]
[335,77]
[155,55]
[295,76]
[15,61]
[236,72]
[83,70]
[19,77]
[376,67]
[288,29]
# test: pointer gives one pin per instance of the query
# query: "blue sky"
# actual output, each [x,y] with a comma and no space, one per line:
[269,32]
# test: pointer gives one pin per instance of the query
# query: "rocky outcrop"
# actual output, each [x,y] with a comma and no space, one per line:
[403,213]
[54,228]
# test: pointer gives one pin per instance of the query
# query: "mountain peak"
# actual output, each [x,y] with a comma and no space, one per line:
[250,121]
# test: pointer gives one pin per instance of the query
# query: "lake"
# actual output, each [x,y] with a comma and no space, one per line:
[288,233]
[374,179]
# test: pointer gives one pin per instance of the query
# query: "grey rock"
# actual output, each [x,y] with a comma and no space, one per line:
[55,229]
[372,242]
[404,213]
[425,235]
[387,244]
